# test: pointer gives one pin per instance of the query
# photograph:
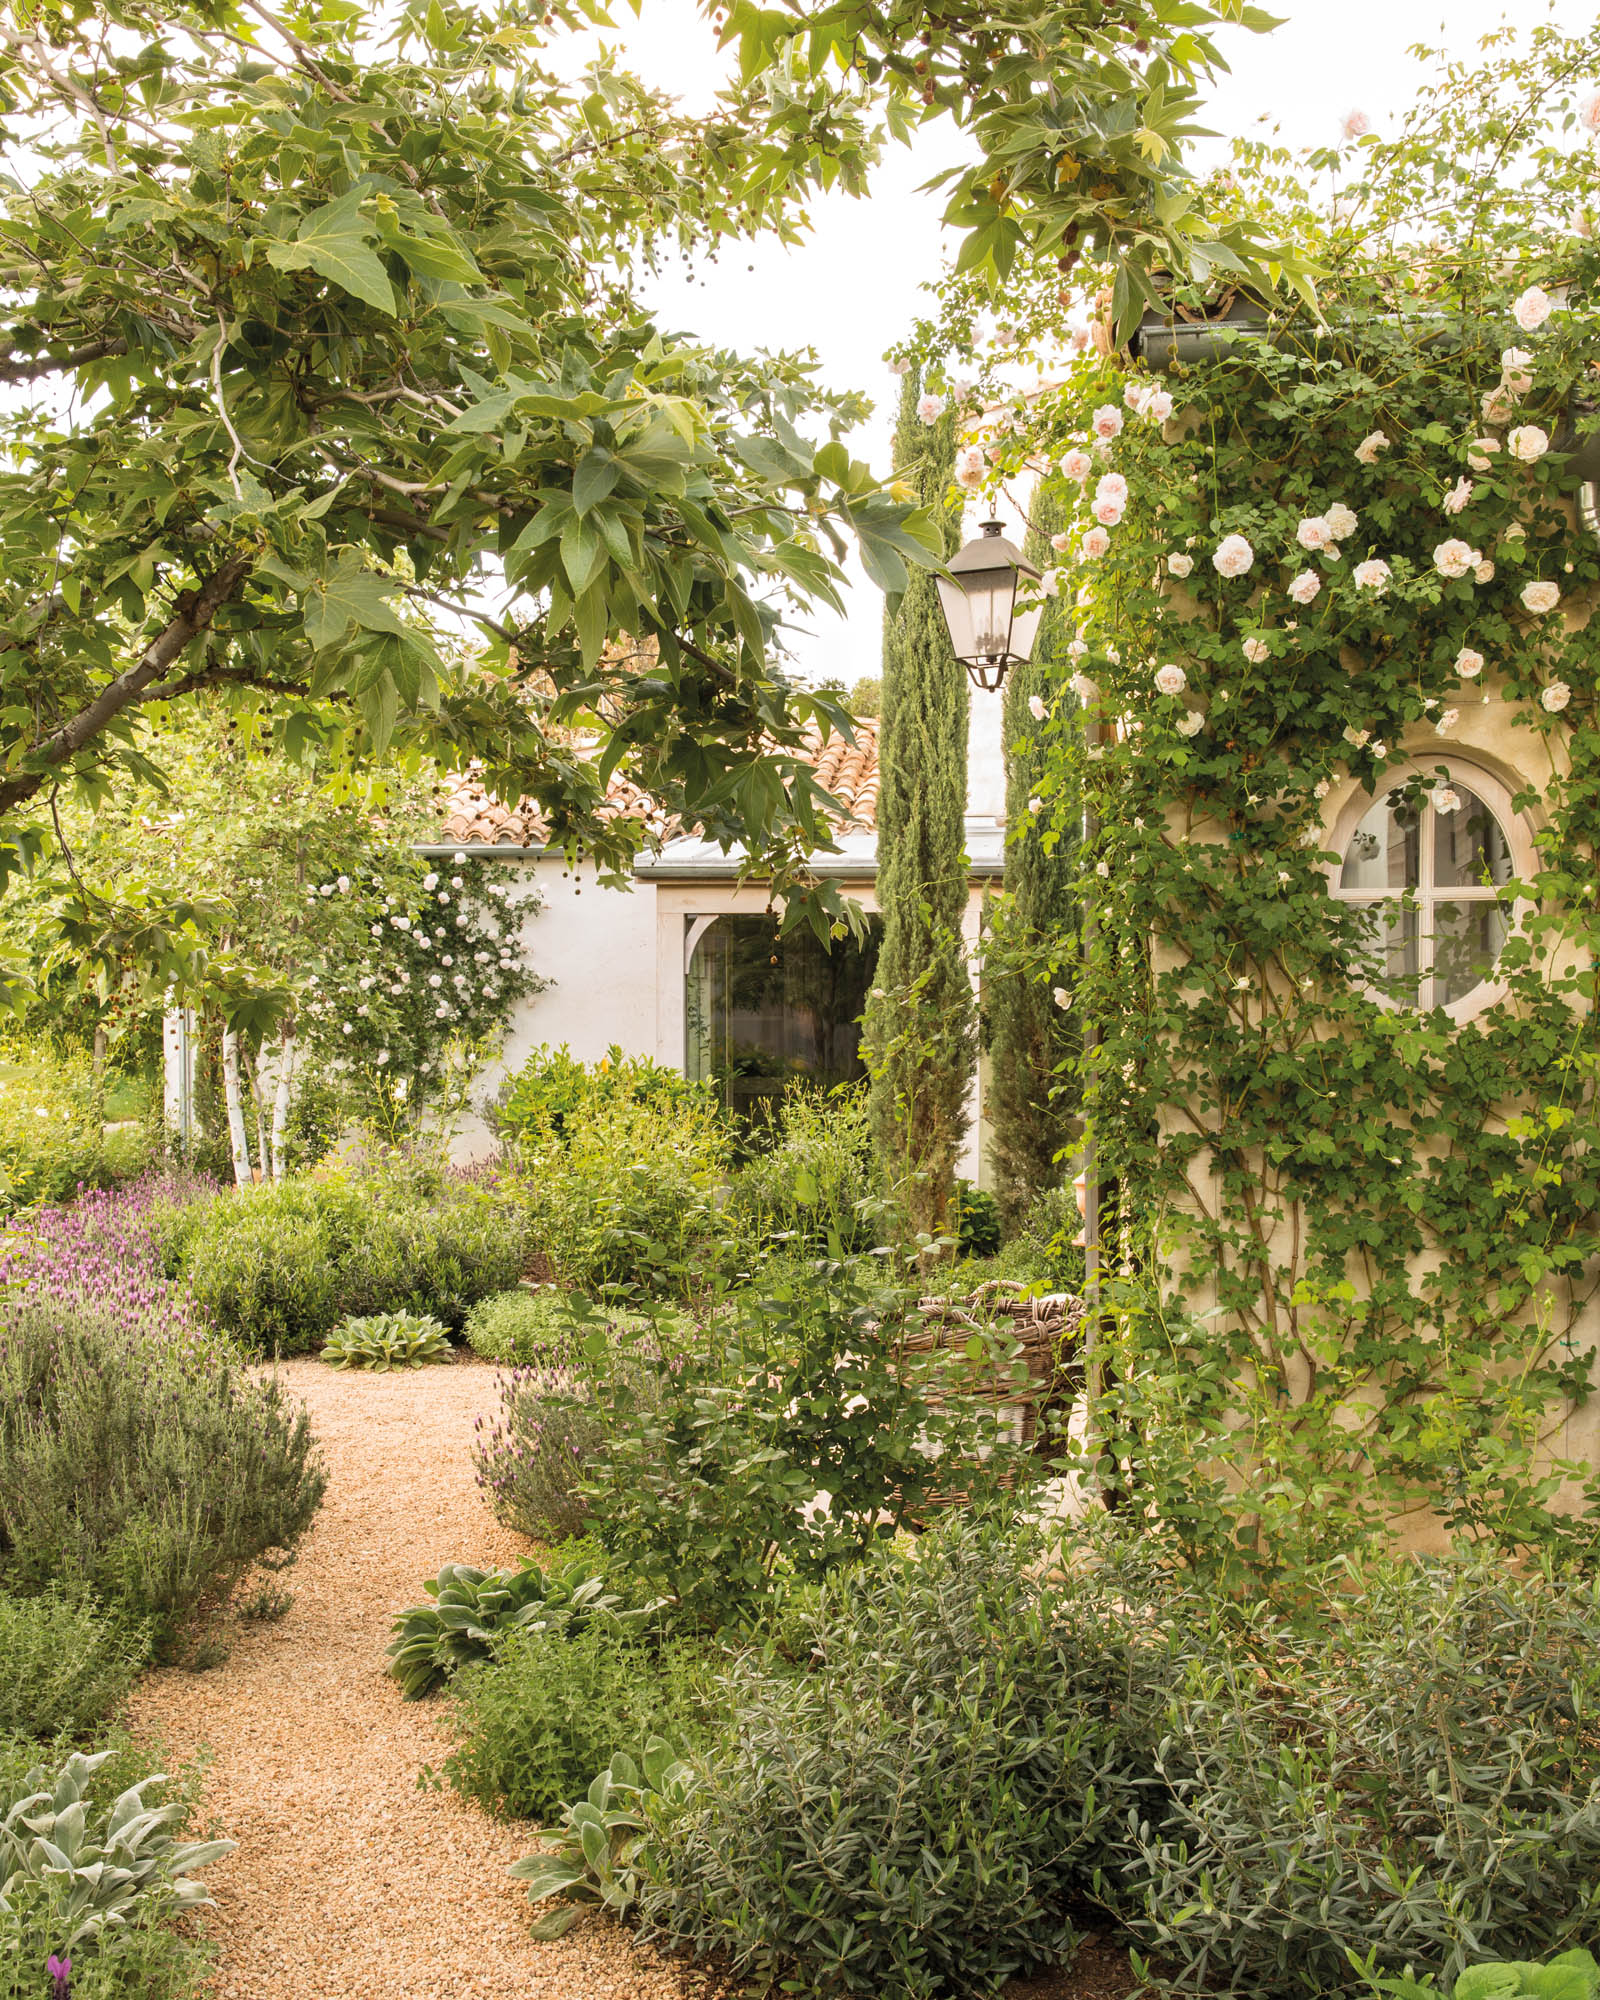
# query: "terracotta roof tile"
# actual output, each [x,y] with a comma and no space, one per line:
[848,770]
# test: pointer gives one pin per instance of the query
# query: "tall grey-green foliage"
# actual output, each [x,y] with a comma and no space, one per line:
[1032,1096]
[920,1036]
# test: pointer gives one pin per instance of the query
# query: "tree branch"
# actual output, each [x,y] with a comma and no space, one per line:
[195,611]
[56,364]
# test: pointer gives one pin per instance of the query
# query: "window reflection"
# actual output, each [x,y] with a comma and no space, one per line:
[1386,848]
[1469,849]
[1467,938]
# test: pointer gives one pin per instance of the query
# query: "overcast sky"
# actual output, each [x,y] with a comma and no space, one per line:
[853,288]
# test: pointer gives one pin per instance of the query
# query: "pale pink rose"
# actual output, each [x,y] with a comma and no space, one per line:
[1528,443]
[929,408]
[1516,370]
[1134,395]
[1555,697]
[1060,543]
[1498,406]
[1314,533]
[1050,583]
[1077,465]
[1190,723]
[1458,496]
[1589,114]
[1077,650]
[1369,447]
[899,367]
[1180,564]
[1111,486]
[1355,124]
[1107,421]
[1380,751]
[1532,308]
[1454,558]
[1233,557]
[1255,651]
[1481,451]
[972,467]
[1158,406]
[1443,799]
[1095,544]
[1085,689]
[1469,664]
[1540,598]
[1061,996]
[1374,574]
[1447,721]
[1107,512]
[1036,708]
[1358,739]
[1080,339]
[1171,680]
[1342,521]
[1484,573]
[1305,586]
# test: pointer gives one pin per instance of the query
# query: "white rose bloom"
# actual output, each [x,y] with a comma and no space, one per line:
[1497,405]
[1454,558]
[1447,721]
[1342,520]
[1532,308]
[1555,697]
[1358,739]
[1305,586]
[1061,543]
[1077,650]
[1481,453]
[430,881]
[375,930]
[1171,680]
[1107,421]
[480,958]
[1233,556]
[435,979]
[1103,870]
[1469,664]
[1527,443]
[1458,496]
[1084,688]
[1255,651]
[1061,996]
[1314,532]
[1095,544]
[1540,598]
[1191,723]
[1158,406]
[458,882]
[1180,565]
[1321,789]
[1444,800]
[401,923]
[383,1057]
[1484,573]
[1050,583]
[1374,574]
[459,857]
[1369,447]
[1036,708]
[1380,751]
[461,923]
[348,1027]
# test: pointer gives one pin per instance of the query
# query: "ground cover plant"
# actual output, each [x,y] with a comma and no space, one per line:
[68,1664]
[520,1326]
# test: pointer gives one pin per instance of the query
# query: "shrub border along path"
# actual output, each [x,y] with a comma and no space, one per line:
[348,1878]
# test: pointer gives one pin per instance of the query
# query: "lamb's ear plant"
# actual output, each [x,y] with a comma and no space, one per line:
[92,1870]
[1573,1976]
[383,1341]
[602,1860]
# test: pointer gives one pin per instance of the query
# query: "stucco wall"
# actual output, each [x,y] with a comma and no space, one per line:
[597,948]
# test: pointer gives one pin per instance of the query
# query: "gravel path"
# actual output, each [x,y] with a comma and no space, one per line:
[348,1879]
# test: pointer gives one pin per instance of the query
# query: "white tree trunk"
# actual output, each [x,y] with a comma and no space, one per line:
[262,1087]
[280,1104]
[238,1137]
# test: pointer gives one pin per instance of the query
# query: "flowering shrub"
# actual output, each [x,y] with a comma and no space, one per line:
[533,1459]
[136,1460]
[1368,1224]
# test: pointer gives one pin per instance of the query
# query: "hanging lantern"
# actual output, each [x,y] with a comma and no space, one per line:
[979,598]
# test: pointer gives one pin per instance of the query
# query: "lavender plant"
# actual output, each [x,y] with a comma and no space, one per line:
[533,1460]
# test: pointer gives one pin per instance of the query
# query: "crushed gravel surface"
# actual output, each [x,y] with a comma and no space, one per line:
[348,1879]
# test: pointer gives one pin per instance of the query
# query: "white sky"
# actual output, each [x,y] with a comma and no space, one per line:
[853,288]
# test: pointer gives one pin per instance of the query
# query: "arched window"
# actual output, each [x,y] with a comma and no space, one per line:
[1431,875]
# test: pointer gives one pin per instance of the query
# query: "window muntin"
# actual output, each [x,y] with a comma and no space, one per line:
[1449,867]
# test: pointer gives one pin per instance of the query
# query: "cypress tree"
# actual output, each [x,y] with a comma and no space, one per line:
[920,1031]
[1033,926]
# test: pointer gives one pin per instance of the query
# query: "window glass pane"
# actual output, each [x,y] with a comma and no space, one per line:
[1396,934]
[765,1012]
[1469,848]
[1385,848]
[1466,942]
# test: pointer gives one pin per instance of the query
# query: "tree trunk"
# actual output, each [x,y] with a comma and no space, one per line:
[237,1136]
[280,1104]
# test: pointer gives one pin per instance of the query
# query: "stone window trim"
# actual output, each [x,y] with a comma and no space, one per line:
[1464,771]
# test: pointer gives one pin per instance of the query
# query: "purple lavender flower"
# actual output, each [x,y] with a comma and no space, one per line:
[60,1971]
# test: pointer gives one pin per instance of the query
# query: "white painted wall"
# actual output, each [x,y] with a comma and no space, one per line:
[597,948]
